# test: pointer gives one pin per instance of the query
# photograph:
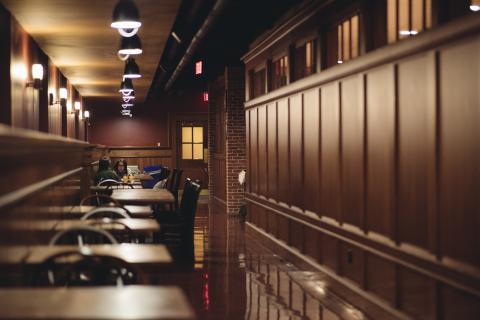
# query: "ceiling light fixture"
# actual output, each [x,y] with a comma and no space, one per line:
[130,46]
[127,105]
[475,5]
[126,88]
[129,98]
[132,71]
[126,18]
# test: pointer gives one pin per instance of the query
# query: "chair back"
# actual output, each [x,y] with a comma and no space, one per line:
[171,180]
[98,200]
[188,206]
[82,268]
[82,234]
[107,212]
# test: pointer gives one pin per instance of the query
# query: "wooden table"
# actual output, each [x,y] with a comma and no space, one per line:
[136,225]
[143,196]
[156,255]
[143,177]
[130,302]
[68,212]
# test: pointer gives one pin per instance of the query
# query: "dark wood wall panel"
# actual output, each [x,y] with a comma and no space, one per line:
[353,155]
[283,150]
[311,133]
[254,151]
[373,171]
[459,198]
[330,189]
[416,159]
[380,150]
[296,150]
[262,151]
[272,151]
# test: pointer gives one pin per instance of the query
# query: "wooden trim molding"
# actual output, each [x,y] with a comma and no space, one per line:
[453,273]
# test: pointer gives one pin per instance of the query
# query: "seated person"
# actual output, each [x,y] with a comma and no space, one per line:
[104,172]
[120,168]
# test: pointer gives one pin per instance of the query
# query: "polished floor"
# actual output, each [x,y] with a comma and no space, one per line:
[233,276]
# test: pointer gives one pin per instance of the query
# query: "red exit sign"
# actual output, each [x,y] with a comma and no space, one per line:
[198,67]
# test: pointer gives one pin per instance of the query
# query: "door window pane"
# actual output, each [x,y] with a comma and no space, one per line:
[198,134]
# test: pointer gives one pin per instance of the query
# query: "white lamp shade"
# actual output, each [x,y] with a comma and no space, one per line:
[63,93]
[78,105]
[69,106]
[86,114]
[37,71]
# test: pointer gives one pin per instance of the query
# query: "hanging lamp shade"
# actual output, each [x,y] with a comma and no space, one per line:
[126,18]
[130,46]
[126,87]
[132,71]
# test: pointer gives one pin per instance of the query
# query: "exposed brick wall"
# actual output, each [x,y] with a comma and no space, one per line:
[235,151]
[231,87]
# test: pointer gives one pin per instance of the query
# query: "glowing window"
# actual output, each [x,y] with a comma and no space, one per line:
[407,18]
[348,39]
[192,143]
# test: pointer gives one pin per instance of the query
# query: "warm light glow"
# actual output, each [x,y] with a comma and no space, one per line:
[127,105]
[63,93]
[86,114]
[78,105]
[126,92]
[132,76]
[69,106]
[127,33]
[198,67]
[128,98]
[339,61]
[408,32]
[126,25]
[475,7]
[205,96]
[37,71]
[130,52]
[19,71]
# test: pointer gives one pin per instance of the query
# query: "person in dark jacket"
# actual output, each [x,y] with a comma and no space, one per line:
[120,168]
[104,172]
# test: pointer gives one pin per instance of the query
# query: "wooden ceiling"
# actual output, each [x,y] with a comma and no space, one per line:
[77,36]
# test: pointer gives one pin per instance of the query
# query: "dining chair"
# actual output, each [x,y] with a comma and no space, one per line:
[107,212]
[177,228]
[82,234]
[98,200]
[82,268]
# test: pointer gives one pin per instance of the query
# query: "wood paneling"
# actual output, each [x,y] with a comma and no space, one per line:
[416,135]
[330,192]
[283,151]
[272,151]
[262,151]
[353,156]
[459,198]
[254,151]
[380,150]
[296,150]
[311,132]
[389,145]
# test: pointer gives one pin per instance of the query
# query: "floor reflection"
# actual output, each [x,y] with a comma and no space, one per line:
[235,277]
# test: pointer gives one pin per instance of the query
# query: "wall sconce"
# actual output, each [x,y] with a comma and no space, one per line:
[77,105]
[86,114]
[63,97]
[37,75]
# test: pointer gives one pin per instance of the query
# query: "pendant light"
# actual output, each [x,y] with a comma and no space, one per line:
[128,98]
[126,88]
[130,46]
[475,5]
[132,71]
[126,18]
